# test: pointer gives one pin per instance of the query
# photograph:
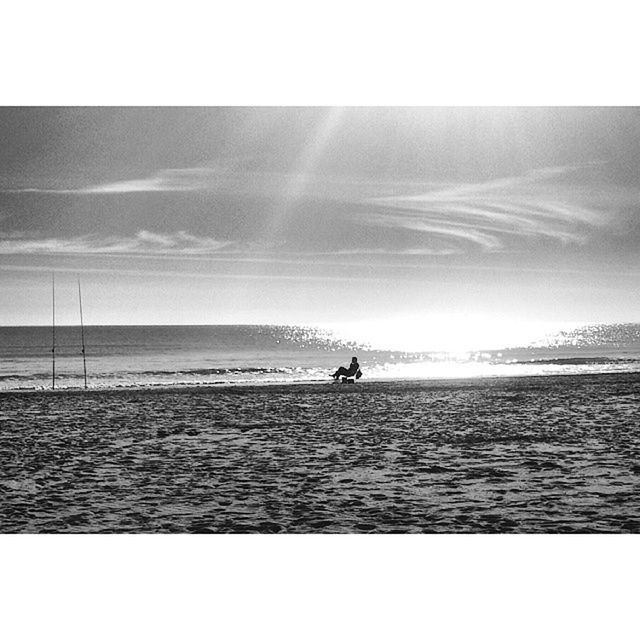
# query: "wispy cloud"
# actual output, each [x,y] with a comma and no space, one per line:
[144,243]
[494,215]
[234,176]
[167,180]
[566,205]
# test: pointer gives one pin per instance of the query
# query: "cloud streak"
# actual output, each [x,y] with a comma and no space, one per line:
[234,177]
[167,180]
[144,243]
[495,215]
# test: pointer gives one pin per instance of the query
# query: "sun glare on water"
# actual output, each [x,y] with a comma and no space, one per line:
[446,334]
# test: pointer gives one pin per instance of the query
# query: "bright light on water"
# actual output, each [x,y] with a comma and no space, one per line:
[453,334]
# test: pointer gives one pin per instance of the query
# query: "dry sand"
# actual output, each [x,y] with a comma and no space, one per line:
[557,454]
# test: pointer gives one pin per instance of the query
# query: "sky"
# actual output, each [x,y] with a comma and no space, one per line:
[315,215]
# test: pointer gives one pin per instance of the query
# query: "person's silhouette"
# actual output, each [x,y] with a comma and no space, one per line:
[353,370]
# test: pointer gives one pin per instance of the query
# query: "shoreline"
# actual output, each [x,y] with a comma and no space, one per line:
[222,387]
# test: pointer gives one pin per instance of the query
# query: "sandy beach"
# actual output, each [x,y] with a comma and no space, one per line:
[555,454]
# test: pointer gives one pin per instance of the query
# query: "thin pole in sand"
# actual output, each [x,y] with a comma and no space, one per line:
[84,357]
[53,331]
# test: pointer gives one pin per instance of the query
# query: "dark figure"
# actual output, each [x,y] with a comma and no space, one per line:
[353,370]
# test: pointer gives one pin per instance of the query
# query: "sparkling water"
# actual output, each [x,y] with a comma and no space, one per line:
[227,354]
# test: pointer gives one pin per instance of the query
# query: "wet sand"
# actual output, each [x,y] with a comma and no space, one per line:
[555,454]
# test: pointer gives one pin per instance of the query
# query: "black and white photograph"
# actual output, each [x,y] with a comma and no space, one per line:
[335,320]
[319,321]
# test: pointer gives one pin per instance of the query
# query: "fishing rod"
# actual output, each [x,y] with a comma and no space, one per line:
[53,331]
[84,357]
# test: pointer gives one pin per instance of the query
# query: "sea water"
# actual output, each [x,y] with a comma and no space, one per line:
[242,354]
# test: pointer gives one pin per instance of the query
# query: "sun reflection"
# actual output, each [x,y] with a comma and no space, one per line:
[452,334]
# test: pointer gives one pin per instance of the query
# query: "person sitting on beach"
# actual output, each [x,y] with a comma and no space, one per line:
[353,370]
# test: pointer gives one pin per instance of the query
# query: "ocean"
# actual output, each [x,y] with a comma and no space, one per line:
[143,356]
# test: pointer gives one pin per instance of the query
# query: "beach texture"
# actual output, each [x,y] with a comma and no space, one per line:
[531,455]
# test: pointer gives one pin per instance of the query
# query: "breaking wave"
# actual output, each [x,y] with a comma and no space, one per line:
[574,361]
